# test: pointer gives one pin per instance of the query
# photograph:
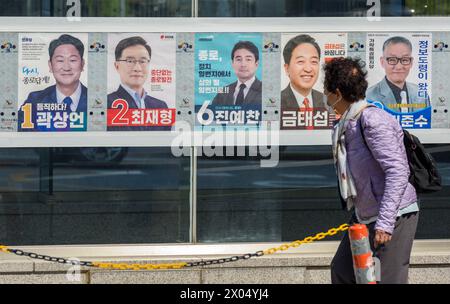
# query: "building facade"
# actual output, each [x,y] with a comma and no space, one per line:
[132,199]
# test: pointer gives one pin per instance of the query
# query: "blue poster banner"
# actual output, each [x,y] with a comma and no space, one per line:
[228,87]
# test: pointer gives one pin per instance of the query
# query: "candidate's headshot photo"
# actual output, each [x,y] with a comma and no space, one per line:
[132,63]
[66,64]
[301,56]
[393,90]
[247,90]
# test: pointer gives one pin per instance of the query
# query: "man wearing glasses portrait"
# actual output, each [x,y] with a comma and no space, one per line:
[393,90]
[133,57]
[132,62]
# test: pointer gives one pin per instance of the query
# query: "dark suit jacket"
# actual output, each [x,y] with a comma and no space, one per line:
[288,101]
[253,97]
[48,95]
[381,92]
[150,103]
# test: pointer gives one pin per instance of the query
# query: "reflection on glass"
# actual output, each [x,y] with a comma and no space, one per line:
[226,8]
[99,8]
[427,7]
[95,195]
[238,201]
[309,8]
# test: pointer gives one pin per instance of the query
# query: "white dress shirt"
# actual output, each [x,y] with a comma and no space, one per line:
[300,98]
[75,97]
[140,101]
[248,84]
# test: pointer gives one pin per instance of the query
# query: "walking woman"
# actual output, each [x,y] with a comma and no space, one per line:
[373,171]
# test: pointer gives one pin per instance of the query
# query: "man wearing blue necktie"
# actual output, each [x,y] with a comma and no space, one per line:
[66,64]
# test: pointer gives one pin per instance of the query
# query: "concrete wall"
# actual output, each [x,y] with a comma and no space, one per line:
[430,264]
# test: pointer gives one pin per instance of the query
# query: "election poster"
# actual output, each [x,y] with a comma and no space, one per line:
[141,81]
[399,76]
[441,95]
[52,88]
[8,81]
[135,79]
[303,103]
[228,74]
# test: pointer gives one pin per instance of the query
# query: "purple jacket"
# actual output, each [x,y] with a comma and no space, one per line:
[381,173]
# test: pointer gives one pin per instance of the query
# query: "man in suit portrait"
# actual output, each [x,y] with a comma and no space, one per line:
[66,64]
[301,63]
[247,90]
[393,90]
[132,62]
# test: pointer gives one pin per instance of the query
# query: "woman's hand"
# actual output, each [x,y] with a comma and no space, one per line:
[381,238]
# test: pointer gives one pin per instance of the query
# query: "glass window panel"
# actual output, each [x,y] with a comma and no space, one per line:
[435,208]
[319,8]
[238,201]
[19,170]
[99,8]
[69,196]
[226,8]
[428,7]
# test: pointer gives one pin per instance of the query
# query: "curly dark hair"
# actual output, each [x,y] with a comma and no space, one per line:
[347,75]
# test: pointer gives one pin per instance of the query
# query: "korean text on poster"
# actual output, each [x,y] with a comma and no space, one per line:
[399,77]
[141,82]
[228,87]
[52,82]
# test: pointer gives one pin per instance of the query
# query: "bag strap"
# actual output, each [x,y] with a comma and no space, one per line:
[362,133]
[361,127]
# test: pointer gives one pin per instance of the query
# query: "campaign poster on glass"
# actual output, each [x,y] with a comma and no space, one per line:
[303,103]
[141,81]
[52,88]
[399,76]
[228,73]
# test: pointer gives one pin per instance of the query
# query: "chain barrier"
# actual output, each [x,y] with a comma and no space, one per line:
[126,266]
[45,257]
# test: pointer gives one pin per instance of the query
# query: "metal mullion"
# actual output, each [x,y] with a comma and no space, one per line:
[194,8]
[193,197]
[193,169]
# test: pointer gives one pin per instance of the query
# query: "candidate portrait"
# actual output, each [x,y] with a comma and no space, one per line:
[301,56]
[132,63]
[393,90]
[66,63]
[247,89]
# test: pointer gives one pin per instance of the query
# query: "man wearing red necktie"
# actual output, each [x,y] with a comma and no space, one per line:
[302,63]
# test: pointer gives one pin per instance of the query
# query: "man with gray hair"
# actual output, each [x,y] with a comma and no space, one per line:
[393,90]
